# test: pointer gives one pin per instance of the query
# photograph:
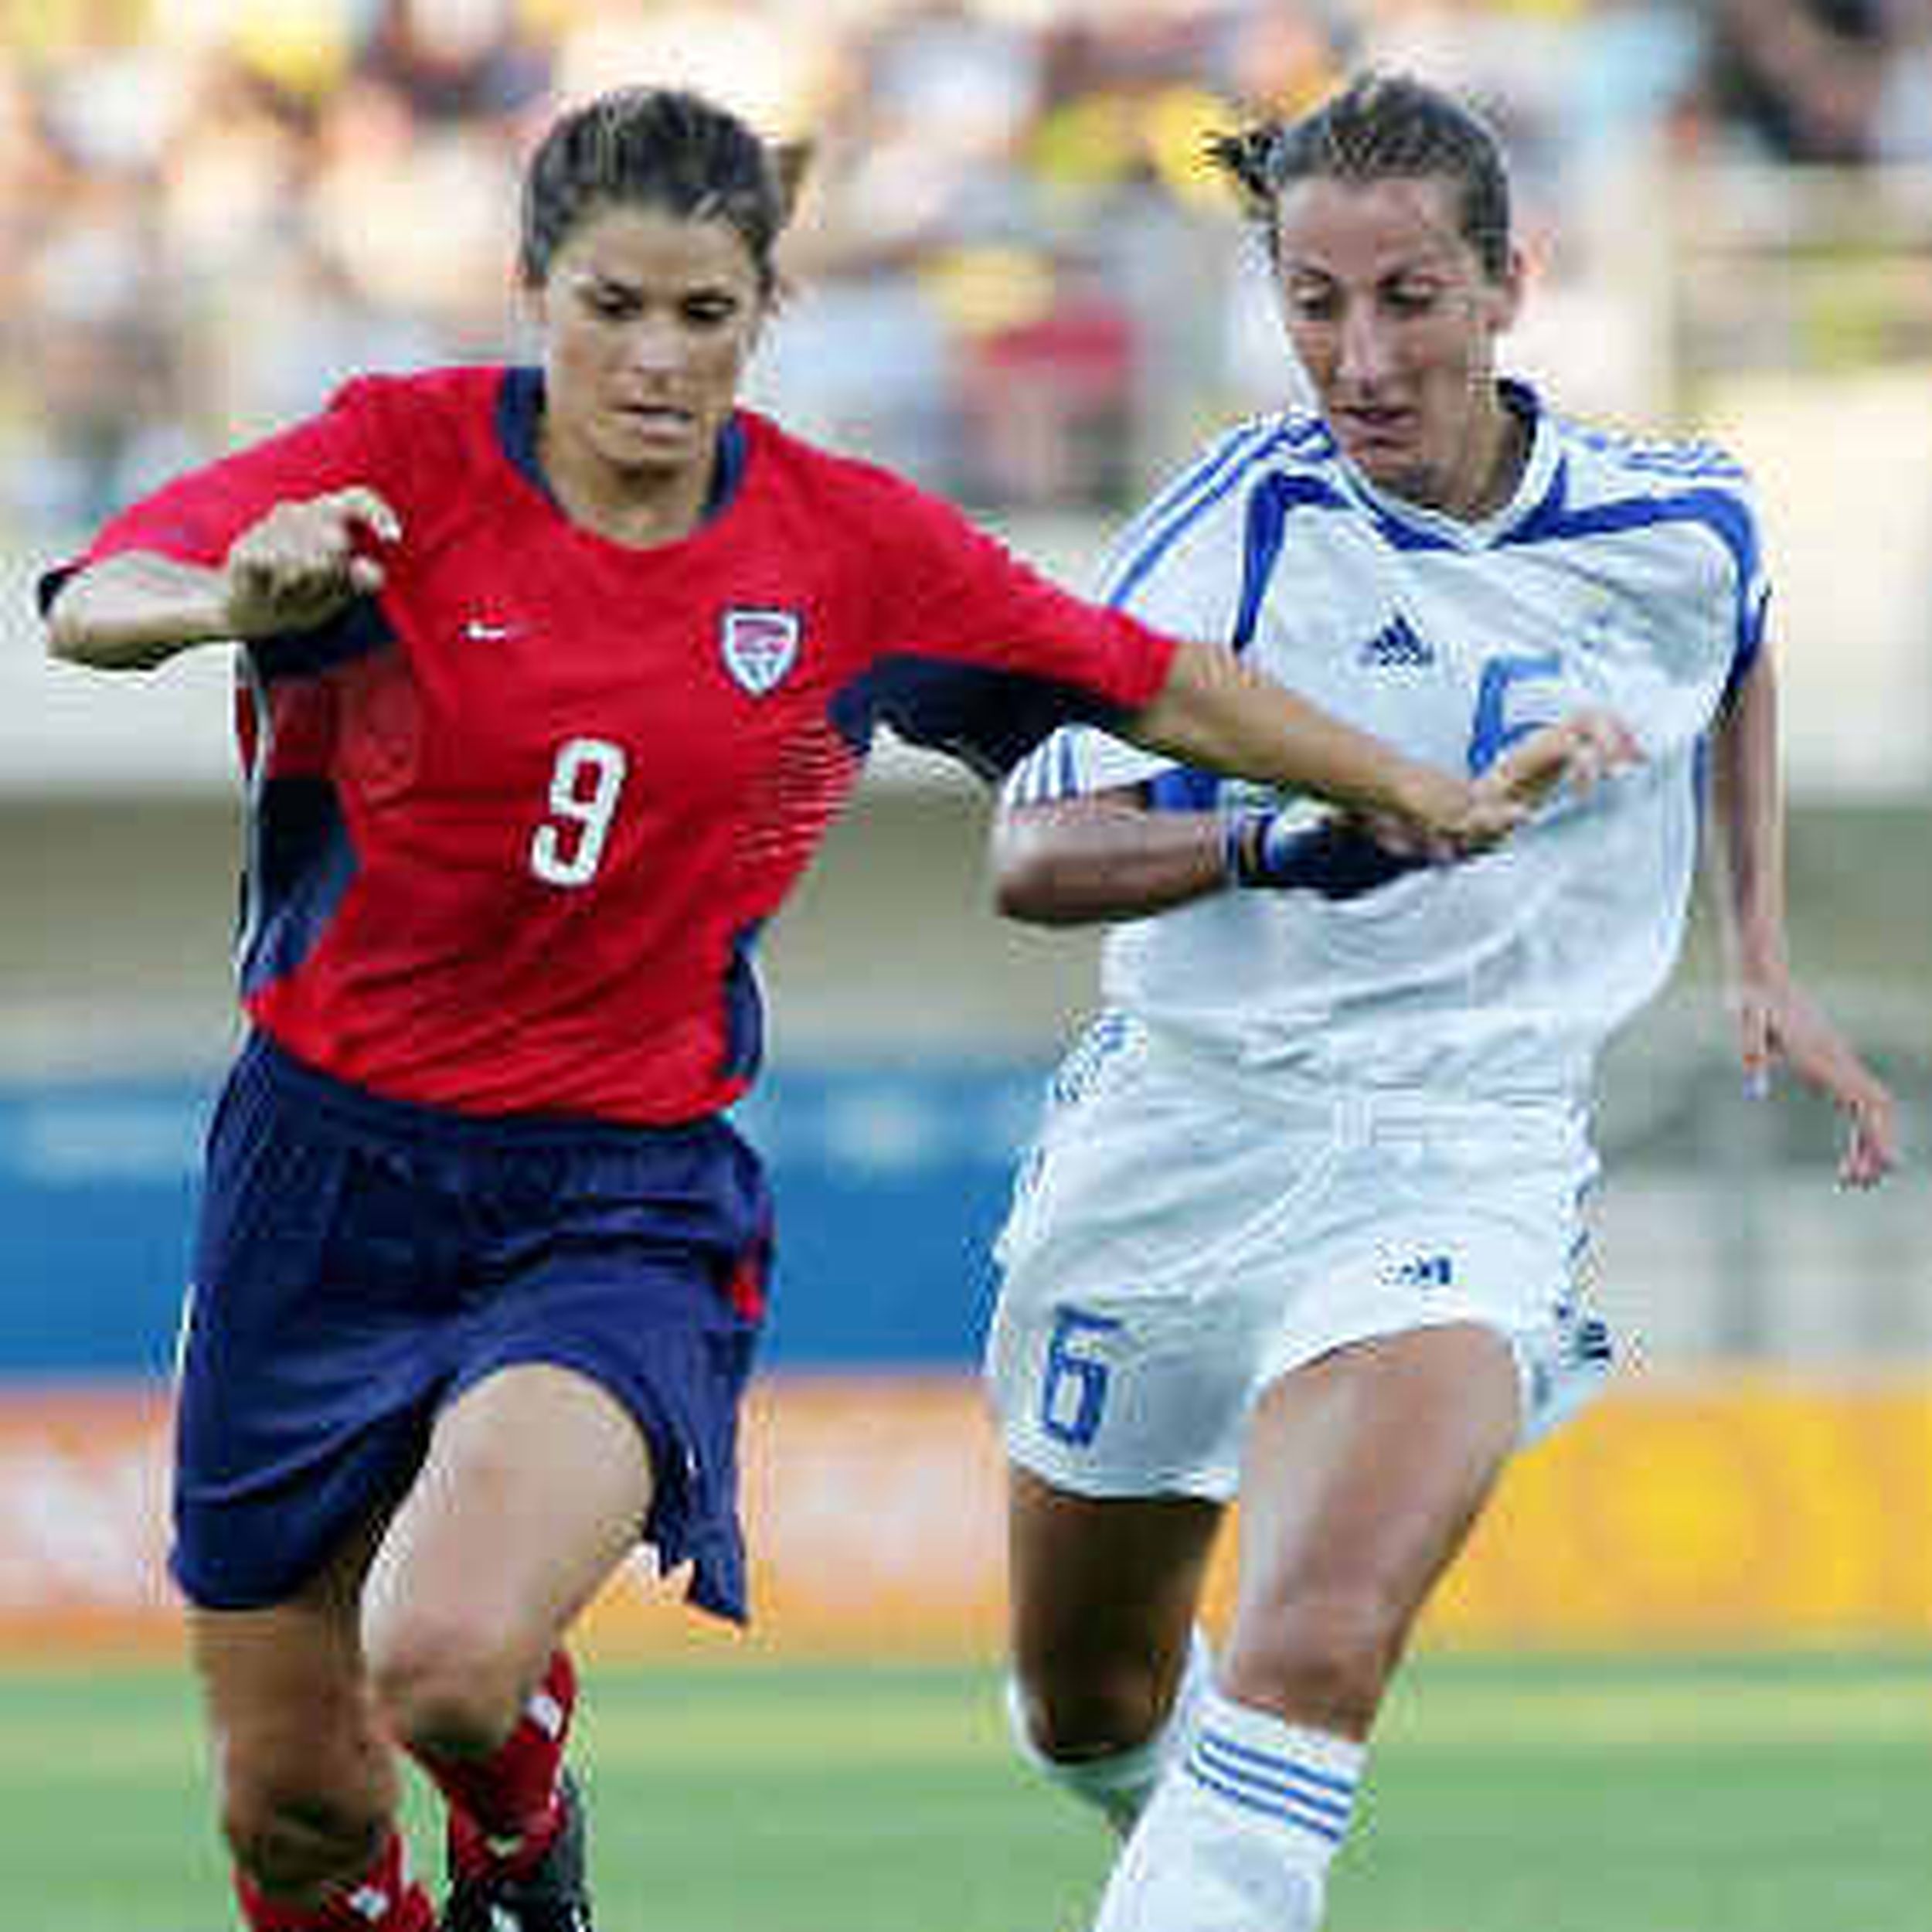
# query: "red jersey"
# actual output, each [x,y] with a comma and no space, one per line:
[515,824]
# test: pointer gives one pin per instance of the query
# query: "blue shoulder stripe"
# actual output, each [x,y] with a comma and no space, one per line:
[1268,509]
[1197,475]
[1719,511]
[1156,533]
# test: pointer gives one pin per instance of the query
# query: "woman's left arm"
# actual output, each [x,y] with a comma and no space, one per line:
[1777,1022]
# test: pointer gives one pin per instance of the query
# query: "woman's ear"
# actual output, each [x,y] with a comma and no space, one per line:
[1508,290]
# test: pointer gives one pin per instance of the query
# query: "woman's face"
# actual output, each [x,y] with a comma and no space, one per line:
[1395,320]
[649,319]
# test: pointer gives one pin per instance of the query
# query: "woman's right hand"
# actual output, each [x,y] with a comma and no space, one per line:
[304,561]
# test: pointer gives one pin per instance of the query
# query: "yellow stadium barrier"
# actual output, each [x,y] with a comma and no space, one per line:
[1721,1509]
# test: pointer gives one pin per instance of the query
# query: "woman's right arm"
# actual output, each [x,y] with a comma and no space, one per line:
[293,568]
[1101,857]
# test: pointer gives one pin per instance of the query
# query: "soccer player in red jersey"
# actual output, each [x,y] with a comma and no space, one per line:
[550,680]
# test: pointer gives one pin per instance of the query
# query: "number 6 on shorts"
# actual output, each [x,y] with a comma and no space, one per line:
[1074,1390]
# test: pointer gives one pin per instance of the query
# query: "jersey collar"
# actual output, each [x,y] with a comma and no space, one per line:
[519,413]
[1414,526]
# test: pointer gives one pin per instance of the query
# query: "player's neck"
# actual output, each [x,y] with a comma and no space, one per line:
[637,508]
[1501,457]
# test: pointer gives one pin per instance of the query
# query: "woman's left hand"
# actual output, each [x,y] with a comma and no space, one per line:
[1777,1024]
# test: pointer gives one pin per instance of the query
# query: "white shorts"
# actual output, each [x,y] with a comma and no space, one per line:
[1180,1238]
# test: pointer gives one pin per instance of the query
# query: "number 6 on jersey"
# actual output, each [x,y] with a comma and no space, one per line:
[585,781]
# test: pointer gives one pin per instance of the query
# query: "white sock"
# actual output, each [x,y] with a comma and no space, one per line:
[1120,1783]
[1239,1838]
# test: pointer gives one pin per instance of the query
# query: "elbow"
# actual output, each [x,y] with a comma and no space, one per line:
[1021,893]
[92,619]
[1027,885]
[1031,904]
[65,644]
[69,639]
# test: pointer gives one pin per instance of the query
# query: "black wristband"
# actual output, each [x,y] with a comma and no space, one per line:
[1329,857]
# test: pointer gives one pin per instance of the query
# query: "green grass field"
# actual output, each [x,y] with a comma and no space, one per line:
[1760,1795]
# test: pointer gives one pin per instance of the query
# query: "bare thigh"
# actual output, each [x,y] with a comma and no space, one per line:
[535,1488]
[1363,1474]
[1104,1593]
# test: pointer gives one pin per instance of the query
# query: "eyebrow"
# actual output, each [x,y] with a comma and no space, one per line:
[1402,271]
[589,277]
[606,281]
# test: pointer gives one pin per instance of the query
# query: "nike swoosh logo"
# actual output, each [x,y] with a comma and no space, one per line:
[482,633]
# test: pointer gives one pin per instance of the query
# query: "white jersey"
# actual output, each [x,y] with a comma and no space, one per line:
[1620,573]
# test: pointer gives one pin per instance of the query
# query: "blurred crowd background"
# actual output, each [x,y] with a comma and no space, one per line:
[1013,278]
[1013,275]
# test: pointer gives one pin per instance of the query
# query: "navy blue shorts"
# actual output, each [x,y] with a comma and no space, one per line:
[361,1261]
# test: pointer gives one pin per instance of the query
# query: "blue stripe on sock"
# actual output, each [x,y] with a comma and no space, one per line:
[1317,1802]
[1283,1781]
[1281,1813]
[1267,1762]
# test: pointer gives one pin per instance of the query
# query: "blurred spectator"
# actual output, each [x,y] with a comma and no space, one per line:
[1281,60]
[862,360]
[457,59]
[1824,81]
[418,215]
[767,62]
[1513,62]
[1049,398]
[103,366]
[1632,86]
[1002,230]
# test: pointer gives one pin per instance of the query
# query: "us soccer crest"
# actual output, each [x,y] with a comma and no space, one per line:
[759,646]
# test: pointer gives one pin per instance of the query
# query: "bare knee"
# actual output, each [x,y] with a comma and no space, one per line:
[295,1833]
[448,1685]
[1093,1708]
[1321,1658]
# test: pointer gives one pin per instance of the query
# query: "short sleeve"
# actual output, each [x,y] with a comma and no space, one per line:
[1079,761]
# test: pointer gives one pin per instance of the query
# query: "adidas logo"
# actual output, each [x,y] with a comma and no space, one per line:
[1397,644]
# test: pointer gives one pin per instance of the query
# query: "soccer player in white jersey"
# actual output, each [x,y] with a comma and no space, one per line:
[1302,1223]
